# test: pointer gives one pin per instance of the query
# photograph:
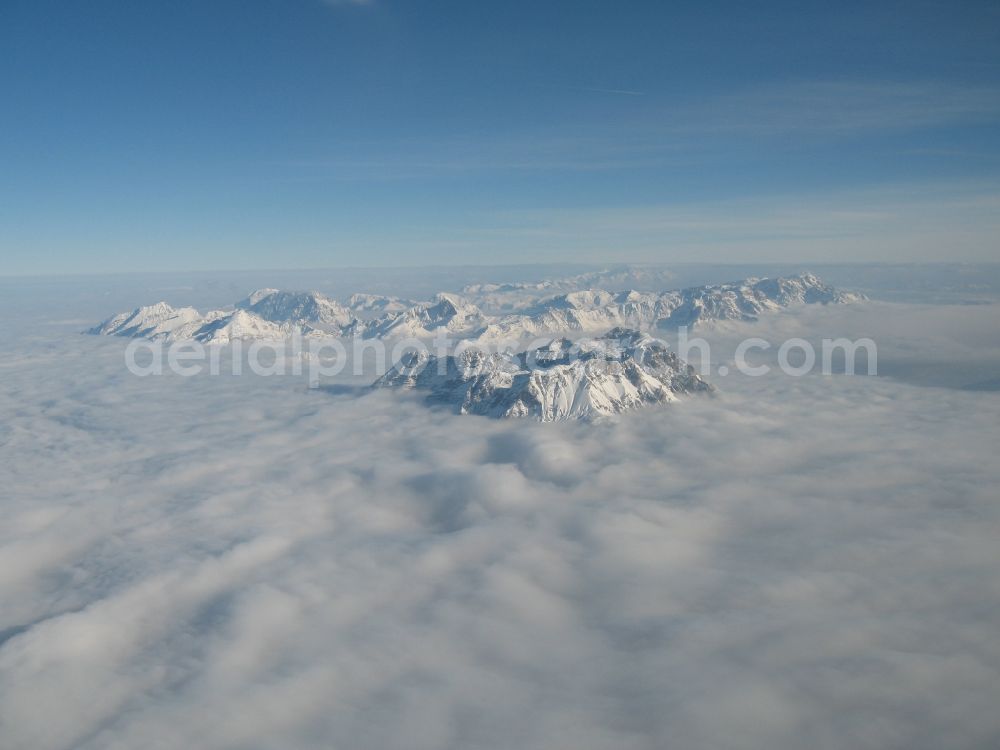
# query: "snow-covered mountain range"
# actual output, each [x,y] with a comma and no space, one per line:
[562,380]
[267,314]
[310,308]
[447,313]
[507,297]
[591,310]
[518,312]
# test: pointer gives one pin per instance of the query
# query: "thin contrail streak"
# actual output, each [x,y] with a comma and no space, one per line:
[623,92]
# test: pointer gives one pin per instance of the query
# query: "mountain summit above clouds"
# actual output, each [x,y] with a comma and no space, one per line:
[310,308]
[161,322]
[275,314]
[596,309]
[447,312]
[563,380]
[747,300]
[150,321]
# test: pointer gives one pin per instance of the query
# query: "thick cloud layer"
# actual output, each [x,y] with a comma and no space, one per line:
[241,562]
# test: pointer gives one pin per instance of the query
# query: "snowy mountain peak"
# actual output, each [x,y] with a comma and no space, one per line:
[254,297]
[377,303]
[447,306]
[746,300]
[449,312]
[561,380]
[242,325]
[151,321]
[296,307]
[585,299]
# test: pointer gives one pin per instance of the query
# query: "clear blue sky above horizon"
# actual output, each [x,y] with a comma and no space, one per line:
[218,134]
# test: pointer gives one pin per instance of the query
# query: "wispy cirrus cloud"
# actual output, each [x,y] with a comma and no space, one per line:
[843,107]
[904,222]
[599,90]
[710,130]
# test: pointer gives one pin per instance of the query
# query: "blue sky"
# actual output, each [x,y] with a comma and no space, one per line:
[307,133]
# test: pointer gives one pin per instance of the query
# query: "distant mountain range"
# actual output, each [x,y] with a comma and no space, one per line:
[591,378]
[517,311]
